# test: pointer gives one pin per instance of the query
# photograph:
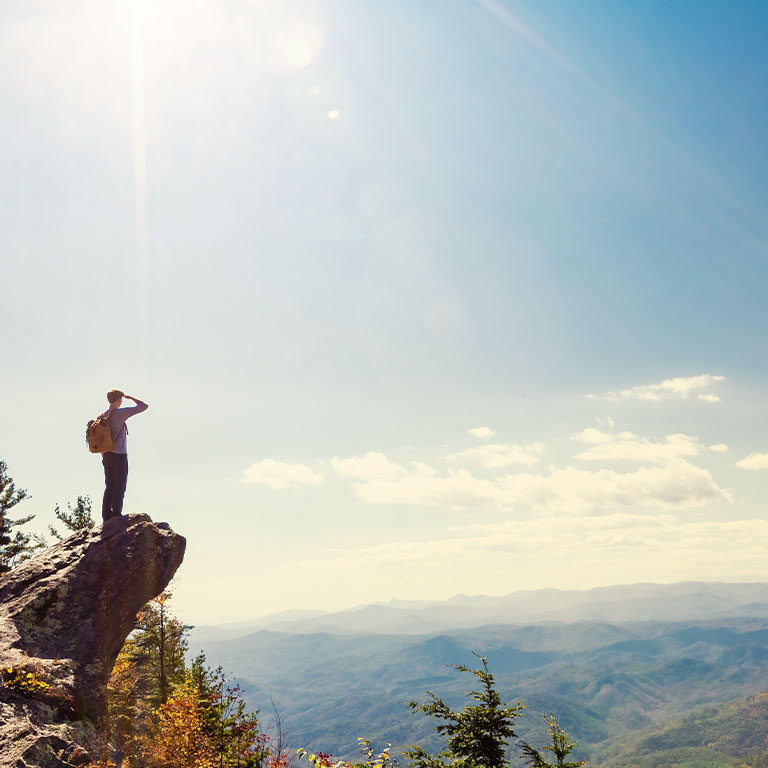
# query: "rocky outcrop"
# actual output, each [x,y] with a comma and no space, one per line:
[64,616]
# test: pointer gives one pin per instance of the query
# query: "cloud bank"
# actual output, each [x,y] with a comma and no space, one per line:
[676,484]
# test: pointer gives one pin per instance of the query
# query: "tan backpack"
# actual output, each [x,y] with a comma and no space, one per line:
[98,436]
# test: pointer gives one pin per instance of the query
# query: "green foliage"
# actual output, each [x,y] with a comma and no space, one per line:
[18,546]
[158,645]
[77,518]
[477,735]
[560,748]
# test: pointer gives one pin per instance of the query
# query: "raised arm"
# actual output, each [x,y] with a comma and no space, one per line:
[140,404]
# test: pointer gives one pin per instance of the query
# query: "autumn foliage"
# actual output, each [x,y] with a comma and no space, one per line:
[181,739]
[164,713]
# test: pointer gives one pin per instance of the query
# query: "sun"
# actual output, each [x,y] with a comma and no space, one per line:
[296,45]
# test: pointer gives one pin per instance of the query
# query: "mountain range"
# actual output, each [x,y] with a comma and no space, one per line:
[683,601]
[616,664]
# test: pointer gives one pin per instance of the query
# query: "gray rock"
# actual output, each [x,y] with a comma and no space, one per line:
[64,616]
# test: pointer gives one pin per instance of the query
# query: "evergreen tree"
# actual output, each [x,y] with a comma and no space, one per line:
[560,748]
[18,546]
[159,645]
[477,735]
[234,733]
[75,519]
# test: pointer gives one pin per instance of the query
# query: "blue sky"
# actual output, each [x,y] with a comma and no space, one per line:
[328,241]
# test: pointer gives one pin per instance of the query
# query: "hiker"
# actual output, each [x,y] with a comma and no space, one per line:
[116,461]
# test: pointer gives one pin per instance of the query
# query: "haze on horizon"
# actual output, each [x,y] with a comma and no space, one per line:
[424,302]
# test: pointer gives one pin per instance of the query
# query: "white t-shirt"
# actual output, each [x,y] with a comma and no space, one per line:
[117,428]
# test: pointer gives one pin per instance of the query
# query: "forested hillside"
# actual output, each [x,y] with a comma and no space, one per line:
[607,683]
[721,736]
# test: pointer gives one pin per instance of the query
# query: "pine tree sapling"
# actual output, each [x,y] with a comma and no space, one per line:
[560,748]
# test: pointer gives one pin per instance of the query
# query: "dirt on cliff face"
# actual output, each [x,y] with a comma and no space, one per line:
[64,616]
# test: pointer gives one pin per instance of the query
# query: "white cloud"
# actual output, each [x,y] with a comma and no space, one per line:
[279,476]
[718,448]
[675,485]
[679,387]
[592,436]
[483,433]
[626,446]
[754,461]
[372,466]
[495,456]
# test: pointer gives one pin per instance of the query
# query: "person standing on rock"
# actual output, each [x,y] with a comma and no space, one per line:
[116,461]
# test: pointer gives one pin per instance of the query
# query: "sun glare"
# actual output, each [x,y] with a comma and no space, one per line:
[297,45]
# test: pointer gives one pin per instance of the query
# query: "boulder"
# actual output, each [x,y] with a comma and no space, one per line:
[64,616]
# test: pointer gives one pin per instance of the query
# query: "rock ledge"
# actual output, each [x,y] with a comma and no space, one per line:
[64,616]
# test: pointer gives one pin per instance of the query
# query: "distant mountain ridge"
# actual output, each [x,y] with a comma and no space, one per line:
[684,601]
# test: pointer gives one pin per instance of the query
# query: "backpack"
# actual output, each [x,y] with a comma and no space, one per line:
[98,436]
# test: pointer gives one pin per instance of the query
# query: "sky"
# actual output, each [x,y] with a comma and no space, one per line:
[425,298]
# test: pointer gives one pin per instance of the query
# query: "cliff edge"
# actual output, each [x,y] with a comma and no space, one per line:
[64,616]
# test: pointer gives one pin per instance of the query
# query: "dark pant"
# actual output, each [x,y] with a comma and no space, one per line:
[115,478]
